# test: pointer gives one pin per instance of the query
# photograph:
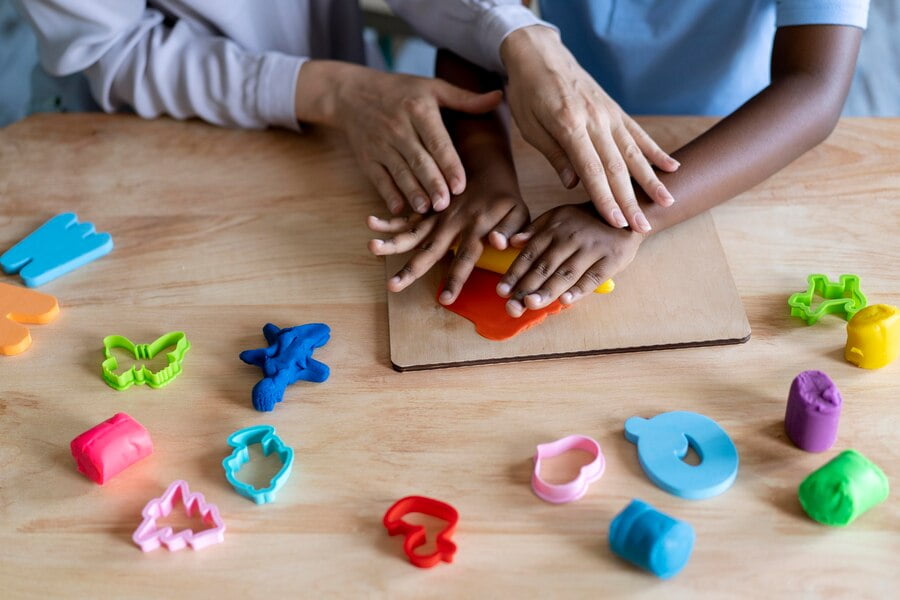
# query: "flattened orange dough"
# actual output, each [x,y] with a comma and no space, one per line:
[22,305]
[478,302]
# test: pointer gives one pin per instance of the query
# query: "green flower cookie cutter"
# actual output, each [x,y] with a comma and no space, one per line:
[842,298]
[141,375]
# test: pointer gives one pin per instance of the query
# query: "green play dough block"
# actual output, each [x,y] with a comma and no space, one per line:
[843,488]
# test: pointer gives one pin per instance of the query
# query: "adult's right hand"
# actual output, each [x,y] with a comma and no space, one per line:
[584,133]
[393,123]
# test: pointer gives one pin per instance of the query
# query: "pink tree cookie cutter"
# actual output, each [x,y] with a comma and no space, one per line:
[560,493]
[149,537]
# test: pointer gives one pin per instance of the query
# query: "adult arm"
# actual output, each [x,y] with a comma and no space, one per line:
[558,107]
[131,57]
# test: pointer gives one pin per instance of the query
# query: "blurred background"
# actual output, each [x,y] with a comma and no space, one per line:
[25,88]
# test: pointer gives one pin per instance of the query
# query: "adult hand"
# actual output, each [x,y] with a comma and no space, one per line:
[393,123]
[566,253]
[490,208]
[567,116]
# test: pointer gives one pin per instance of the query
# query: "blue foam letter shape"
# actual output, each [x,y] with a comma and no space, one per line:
[60,245]
[662,443]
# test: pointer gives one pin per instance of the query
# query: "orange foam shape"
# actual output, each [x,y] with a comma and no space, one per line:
[478,302]
[22,305]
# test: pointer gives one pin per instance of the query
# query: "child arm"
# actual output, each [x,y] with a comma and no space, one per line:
[812,67]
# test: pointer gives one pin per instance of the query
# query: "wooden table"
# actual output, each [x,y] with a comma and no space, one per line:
[218,232]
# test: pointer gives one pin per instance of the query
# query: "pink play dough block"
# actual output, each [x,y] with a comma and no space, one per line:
[107,449]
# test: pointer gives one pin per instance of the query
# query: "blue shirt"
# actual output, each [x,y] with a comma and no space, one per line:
[671,57]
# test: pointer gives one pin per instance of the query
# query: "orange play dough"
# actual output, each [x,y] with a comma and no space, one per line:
[22,305]
[478,302]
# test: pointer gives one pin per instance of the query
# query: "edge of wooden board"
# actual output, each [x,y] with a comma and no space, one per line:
[583,353]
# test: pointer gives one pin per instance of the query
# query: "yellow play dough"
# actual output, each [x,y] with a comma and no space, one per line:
[873,336]
[499,261]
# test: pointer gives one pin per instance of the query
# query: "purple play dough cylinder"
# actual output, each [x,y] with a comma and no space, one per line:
[813,411]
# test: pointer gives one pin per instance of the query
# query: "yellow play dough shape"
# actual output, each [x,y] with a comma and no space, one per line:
[499,261]
[873,336]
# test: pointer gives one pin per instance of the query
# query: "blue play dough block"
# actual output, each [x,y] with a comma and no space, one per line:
[662,443]
[288,359]
[650,539]
[60,245]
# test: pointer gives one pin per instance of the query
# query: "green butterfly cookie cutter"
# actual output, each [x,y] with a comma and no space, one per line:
[842,298]
[143,375]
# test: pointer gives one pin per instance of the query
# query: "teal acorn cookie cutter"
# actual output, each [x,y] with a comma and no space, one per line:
[842,298]
[265,436]
[142,375]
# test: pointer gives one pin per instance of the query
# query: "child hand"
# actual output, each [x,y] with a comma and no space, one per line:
[484,210]
[584,133]
[567,252]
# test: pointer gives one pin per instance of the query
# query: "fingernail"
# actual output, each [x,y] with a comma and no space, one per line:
[643,223]
[420,203]
[438,200]
[514,308]
[395,279]
[619,218]
[445,297]
[503,289]
[567,176]
[663,194]
[378,243]
[457,186]
[566,298]
[535,300]
[675,162]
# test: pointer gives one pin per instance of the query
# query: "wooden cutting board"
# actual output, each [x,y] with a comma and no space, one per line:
[677,293]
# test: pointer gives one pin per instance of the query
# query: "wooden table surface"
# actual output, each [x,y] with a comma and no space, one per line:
[218,232]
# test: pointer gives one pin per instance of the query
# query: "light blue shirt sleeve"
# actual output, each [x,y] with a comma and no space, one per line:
[822,12]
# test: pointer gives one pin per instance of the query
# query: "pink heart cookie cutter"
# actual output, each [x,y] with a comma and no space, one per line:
[560,493]
[149,537]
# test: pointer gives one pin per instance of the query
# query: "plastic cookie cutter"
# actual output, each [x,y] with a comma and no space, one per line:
[60,245]
[499,261]
[842,298]
[287,360]
[265,436]
[149,537]
[813,411]
[140,375]
[651,540]
[414,535]
[107,449]
[663,441]
[873,337]
[571,490]
[843,489]
[20,305]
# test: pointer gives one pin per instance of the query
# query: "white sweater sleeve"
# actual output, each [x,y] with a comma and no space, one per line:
[474,29]
[132,58]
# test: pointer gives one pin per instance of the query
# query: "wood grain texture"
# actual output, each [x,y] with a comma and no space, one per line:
[219,231]
[678,292]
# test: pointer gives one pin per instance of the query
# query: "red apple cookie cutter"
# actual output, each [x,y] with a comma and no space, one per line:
[415,534]
[571,490]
